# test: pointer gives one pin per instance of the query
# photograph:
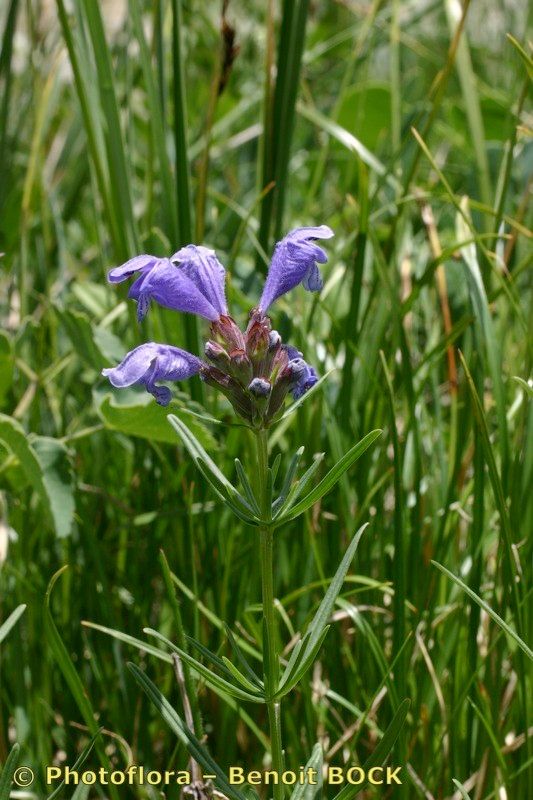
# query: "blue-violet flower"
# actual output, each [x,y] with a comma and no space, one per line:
[253,369]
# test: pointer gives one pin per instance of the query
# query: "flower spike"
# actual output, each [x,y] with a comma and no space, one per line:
[153,362]
[295,261]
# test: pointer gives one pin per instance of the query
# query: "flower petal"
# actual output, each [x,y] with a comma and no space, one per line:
[170,287]
[201,265]
[294,262]
[307,379]
[142,263]
[153,362]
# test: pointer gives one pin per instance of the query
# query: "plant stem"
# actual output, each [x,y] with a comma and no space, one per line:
[270,652]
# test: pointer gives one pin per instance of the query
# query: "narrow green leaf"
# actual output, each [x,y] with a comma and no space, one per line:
[243,661]
[306,657]
[307,791]
[315,631]
[485,606]
[64,662]
[237,674]
[289,477]
[212,473]
[145,647]
[381,751]
[210,677]
[333,476]
[299,486]
[347,139]
[11,621]
[82,758]
[498,492]
[175,723]
[6,776]
[462,790]
[139,644]
[248,491]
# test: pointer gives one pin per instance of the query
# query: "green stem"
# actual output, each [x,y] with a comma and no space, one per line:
[270,651]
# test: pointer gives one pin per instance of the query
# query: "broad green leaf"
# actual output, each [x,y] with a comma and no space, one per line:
[209,676]
[329,481]
[137,414]
[380,753]
[11,621]
[44,462]
[315,632]
[176,724]
[58,481]
[485,606]
[6,776]
[307,791]
[95,345]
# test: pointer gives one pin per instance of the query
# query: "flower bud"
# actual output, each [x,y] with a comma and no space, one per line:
[274,341]
[288,375]
[230,389]
[257,343]
[259,387]
[216,353]
[227,333]
[241,367]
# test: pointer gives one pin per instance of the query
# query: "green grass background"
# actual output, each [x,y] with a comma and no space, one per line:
[405,126]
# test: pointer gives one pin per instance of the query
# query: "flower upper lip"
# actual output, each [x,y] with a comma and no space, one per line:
[295,261]
[195,287]
[151,362]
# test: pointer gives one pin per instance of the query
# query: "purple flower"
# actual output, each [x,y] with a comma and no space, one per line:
[304,375]
[206,272]
[142,263]
[167,284]
[305,382]
[295,261]
[153,362]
